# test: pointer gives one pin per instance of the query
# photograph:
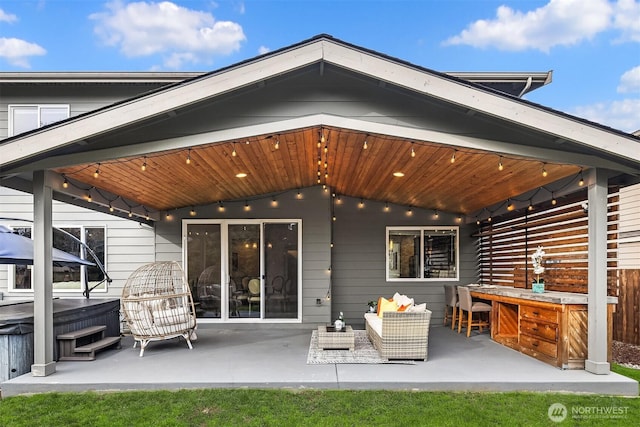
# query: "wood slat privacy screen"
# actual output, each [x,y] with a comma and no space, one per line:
[506,244]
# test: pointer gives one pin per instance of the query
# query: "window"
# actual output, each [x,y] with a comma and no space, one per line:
[66,278]
[422,253]
[23,118]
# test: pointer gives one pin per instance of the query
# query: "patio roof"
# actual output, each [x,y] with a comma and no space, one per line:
[299,117]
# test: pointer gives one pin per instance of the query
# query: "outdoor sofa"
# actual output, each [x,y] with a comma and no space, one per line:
[399,335]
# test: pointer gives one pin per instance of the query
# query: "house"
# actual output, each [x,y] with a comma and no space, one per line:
[325,173]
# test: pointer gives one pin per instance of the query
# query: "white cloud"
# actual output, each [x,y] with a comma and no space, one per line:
[558,23]
[17,52]
[7,17]
[622,115]
[181,35]
[630,81]
[263,49]
[626,18]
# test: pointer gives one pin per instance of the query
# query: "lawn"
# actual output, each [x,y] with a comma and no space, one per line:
[251,407]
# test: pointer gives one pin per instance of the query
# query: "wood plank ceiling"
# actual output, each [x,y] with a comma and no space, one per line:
[299,159]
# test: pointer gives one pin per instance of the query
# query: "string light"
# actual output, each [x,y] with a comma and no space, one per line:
[111,207]
[299,195]
[192,212]
[361,204]
[274,202]
[97,172]
[277,145]
[544,171]
[553,199]
[453,157]
[189,157]
[365,146]
[530,206]
[89,198]
[581,182]
[65,183]
[510,205]
[410,211]
[500,165]
[413,152]
[130,213]
[144,164]
[386,207]
[436,214]
[247,208]
[234,153]
[220,206]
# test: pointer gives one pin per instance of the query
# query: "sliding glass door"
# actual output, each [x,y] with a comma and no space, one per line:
[244,270]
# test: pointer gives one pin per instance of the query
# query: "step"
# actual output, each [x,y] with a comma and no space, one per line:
[73,335]
[88,351]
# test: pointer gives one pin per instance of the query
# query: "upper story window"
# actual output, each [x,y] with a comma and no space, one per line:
[422,253]
[23,118]
[66,278]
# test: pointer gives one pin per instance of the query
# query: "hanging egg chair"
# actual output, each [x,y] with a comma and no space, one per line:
[157,304]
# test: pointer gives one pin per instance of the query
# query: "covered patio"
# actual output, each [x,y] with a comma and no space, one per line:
[266,357]
[322,121]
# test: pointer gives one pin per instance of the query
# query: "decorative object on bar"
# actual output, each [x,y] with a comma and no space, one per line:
[538,269]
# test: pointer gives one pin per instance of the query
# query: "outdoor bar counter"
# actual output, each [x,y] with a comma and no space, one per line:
[69,314]
[550,326]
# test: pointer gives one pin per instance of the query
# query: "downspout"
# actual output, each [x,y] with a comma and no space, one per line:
[527,86]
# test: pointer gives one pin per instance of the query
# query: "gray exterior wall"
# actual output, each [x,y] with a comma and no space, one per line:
[358,269]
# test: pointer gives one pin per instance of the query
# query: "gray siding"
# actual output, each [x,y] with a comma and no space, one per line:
[358,271]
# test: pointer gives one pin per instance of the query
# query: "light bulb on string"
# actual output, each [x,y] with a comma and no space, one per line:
[144,164]
[188,161]
[544,171]
[453,157]
[97,172]
[500,165]
[413,152]
[65,183]
[234,153]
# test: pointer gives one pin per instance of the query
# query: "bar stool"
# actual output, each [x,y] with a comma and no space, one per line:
[450,305]
[470,307]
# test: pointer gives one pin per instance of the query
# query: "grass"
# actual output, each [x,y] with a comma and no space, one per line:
[251,407]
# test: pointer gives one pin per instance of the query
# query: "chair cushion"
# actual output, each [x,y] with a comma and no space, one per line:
[374,322]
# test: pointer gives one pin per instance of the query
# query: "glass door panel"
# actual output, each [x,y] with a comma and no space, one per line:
[204,272]
[245,285]
[281,270]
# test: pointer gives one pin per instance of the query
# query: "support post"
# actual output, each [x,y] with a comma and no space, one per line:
[597,275]
[42,277]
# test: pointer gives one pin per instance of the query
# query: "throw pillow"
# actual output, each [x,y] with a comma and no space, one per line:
[386,305]
[419,308]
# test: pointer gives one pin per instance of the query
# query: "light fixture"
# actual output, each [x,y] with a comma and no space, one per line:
[477,221]
[510,205]
[410,211]
[398,174]
[144,164]
[544,171]
[333,218]
[89,198]
[146,215]
[339,200]
[277,144]
[167,216]
[111,207]
[192,212]
[189,157]
[326,149]
[130,213]
[489,219]
[436,214]
[97,172]
[361,204]
[234,153]
[247,208]
[386,207]
[553,199]
[500,165]
[220,206]
[530,208]
[453,157]
[299,195]
[65,183]
[581,182]
[365,146]
[241,175]
[413,152]
[274,202]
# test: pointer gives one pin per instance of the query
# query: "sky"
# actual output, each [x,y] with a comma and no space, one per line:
[592,46]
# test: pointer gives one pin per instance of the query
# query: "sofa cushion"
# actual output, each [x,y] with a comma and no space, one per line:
[402,300]
[418,308]
[374,322]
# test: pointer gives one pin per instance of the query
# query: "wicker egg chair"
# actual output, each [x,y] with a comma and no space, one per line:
[157,304]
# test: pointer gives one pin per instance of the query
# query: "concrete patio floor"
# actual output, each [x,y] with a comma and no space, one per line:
[275,357]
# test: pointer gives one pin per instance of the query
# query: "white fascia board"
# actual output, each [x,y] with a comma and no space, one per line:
[488,103]
[158,103]
[282,126]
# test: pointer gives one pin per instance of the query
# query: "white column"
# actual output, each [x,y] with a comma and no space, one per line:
[596,362]
[42,278]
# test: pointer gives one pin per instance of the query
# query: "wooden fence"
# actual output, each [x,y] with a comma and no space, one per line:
[626,319]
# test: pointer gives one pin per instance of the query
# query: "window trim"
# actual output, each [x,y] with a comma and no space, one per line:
[11,268]
[12,107]
[423,229]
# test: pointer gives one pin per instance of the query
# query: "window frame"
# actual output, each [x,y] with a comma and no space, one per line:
[423,230]
[13,107]
[11,270]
